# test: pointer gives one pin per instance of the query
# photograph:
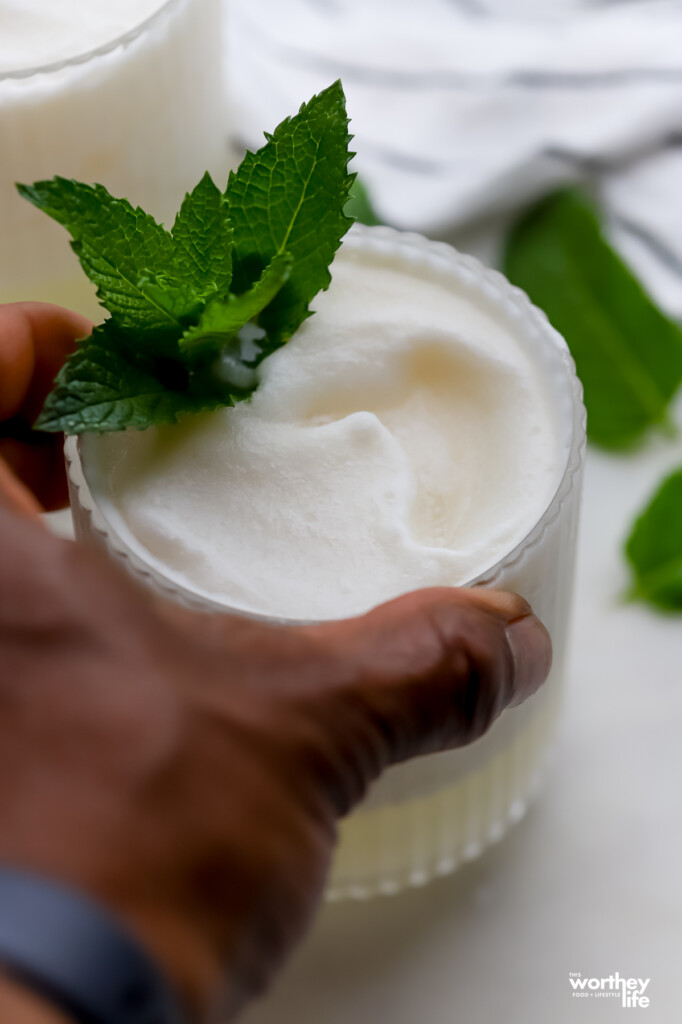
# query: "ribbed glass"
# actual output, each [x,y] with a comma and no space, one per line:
[144,115]
[425,817]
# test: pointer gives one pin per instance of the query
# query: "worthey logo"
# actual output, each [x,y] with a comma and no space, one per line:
[631,991]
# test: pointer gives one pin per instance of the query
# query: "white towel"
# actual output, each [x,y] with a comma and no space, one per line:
[464,111]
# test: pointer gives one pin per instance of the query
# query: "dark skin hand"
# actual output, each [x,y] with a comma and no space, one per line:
[35,339]
[188,770]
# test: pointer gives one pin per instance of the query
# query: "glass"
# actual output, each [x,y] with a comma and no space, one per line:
[424,817]
[144,115]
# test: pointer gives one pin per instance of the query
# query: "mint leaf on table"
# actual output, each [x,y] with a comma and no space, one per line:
[654,547]
[628,354]
[179,301]
[290,197]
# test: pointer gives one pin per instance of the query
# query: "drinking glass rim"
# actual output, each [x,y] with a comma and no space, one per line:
[124,39]
[514,298]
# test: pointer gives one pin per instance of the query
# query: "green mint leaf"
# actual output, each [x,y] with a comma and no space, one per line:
[289,197]
[654,548]
[202,237]
[222,318]
[628,354]
[177,299]
[120,248]
[105,386]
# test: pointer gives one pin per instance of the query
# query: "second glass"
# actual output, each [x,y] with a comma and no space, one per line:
[144,114]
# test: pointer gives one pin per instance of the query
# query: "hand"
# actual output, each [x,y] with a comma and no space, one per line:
[188,770]
[35,338]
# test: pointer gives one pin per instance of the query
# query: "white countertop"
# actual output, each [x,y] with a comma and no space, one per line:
[589,882]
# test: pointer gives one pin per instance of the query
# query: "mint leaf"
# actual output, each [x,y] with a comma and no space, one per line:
[120,248]
[105,386]
[654,548]
[628,354]
[289,197]
[177,299]
[222,318]
[202,239]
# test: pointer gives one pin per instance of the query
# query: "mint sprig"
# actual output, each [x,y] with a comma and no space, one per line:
[179,300]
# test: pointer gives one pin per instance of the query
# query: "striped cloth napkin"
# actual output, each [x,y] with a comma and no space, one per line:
[464,111]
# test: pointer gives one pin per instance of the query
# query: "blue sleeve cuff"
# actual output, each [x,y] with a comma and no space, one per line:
[61,944]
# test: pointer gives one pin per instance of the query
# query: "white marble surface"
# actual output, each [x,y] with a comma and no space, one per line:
[589,882]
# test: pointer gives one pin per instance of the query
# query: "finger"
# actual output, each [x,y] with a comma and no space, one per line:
[431,670]
[17,359]
[35,339]
[38,464]
[13,494]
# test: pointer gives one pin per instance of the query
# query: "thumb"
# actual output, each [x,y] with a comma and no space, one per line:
[427,672]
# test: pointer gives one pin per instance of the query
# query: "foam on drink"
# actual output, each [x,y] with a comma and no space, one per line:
[405,437]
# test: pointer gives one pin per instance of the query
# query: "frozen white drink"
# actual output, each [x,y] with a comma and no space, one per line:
[422,428]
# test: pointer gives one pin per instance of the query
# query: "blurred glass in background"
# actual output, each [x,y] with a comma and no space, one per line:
[131,96]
